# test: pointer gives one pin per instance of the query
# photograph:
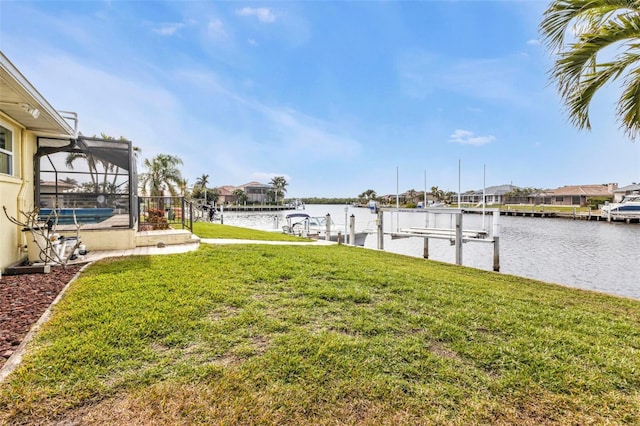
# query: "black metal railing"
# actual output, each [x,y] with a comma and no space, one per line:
[164,213]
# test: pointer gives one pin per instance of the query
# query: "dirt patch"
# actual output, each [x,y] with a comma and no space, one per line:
[23,300]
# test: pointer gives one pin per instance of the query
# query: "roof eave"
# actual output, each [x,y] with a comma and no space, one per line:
[30,95]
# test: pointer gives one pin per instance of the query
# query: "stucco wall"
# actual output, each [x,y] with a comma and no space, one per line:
[16,193]
[106,239]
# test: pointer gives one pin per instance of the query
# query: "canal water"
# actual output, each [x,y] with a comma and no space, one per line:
[591,255]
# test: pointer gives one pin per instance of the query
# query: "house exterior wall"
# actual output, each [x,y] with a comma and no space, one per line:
[105,239]
[16,192]
[256,194]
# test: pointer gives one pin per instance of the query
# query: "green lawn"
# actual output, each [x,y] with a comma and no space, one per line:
[259,334]
[216,230]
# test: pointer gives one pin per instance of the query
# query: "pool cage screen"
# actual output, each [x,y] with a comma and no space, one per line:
[94,178]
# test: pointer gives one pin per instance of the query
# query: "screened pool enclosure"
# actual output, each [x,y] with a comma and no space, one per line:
[93,178]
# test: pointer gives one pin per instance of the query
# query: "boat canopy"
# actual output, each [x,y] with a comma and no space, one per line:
[295,215]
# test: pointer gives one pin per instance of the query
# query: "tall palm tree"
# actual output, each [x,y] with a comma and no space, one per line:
[241,196]
[72,157]
[279,184]
[412,195]
[183,187]
[162,174]
[367,195]
[438,194]
[202,182]
[69,181]
[581,68]
[106,167]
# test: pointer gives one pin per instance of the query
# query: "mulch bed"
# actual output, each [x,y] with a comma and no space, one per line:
[23,300]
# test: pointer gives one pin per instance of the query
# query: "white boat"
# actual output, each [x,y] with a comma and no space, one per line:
[316,227]
[628,208]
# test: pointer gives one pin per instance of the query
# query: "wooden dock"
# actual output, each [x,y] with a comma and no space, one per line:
[575,215]
[256,208]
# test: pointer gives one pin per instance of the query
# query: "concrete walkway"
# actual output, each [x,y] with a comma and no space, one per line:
[92,256]
[282,243]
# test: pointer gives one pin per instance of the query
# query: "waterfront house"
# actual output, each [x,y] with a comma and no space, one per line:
[257,193]
[492,195]
[619,193]
[226,195]
[576,195]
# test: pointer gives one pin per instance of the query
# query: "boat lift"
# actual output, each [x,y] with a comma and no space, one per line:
[453,231]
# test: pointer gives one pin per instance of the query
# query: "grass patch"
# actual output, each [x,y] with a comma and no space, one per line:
[322,335]
[216,230]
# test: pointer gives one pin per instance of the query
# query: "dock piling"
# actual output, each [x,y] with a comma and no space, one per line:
[425,252]
[380,231]
[458,239]
[496,254]
[352,230]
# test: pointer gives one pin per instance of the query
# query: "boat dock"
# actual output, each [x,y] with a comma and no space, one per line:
[257,208]
[574,215]
[453,232]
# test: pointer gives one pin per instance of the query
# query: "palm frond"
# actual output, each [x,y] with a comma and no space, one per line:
[629,105]
[584,15]
[578,73]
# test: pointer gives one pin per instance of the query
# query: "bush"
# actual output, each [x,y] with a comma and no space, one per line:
[596,202]
[156,219]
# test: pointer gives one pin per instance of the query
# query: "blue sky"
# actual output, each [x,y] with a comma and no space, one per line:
[333,95]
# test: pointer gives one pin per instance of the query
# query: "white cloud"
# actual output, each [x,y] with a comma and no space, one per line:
[534,42]
[465,137]
[216,28]
[421,74]
[168,29]
[291,132]
[263,14]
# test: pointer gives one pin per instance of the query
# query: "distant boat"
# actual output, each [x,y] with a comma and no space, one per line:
[297,204]
[302,224]
[628,208]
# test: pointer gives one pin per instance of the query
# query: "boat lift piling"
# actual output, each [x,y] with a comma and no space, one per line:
[455,233]
[352,230]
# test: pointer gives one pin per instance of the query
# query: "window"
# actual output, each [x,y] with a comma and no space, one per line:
[559,199]
[6,151]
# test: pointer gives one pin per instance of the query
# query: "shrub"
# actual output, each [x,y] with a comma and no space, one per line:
[156,218]
[596,202]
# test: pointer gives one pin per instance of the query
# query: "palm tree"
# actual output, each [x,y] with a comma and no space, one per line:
[241,196]
[183,187]
[69,181]
[162,174]
[596,25]
[412,195]
[368,195]
[202,182]
[279,184]
[91,162]
[106,167]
